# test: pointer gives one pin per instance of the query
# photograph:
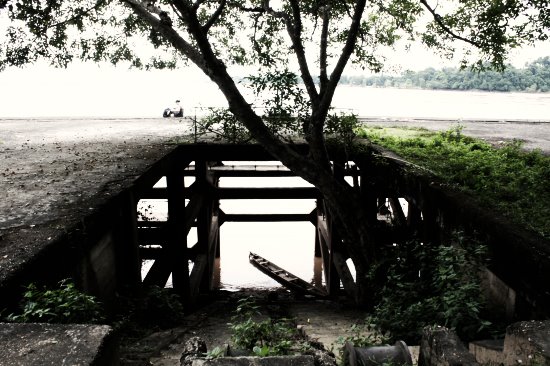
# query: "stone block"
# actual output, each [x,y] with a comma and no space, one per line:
[488,352]
[442,347]
[527,343]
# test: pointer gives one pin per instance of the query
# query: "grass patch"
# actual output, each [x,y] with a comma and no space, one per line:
[515,181]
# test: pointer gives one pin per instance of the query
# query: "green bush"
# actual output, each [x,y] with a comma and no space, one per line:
[65,304]
[430,285]
[264,338]
[157,308]
[508,178]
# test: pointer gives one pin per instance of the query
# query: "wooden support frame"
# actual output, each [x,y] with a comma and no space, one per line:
[264,217]
[397,210]
[127,254]
[176,247]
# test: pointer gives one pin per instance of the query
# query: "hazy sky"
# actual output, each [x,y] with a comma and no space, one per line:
[104,91]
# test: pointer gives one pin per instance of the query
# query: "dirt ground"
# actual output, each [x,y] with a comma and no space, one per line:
[325,321]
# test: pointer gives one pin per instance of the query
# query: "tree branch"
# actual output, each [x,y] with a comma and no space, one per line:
[215,16]
[197,4]
[295,33]
[445,28]
[85,12]
[323,50]
[347,51]
[141,9]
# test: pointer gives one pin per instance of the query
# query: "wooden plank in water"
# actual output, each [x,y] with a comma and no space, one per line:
[285,278]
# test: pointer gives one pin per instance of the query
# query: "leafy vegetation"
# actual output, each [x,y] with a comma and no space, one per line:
[360,335]
[429,285]
[267,337]
[65,304]
[283,120]
[157,308]
[221,125]
[534,77]
[508,178]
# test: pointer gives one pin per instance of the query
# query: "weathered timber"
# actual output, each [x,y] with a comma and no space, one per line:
[127,253]
[153,236]
[331,275]
[176,248]
[244,193]
[267,193]
[163,167]
[344,274]
[264,217]
[200,266]
[270,171]
[397,210]
[161,193]
[193,209]
[150,252]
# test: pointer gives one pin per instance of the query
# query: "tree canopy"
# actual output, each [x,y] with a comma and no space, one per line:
[313,38]
[534,77]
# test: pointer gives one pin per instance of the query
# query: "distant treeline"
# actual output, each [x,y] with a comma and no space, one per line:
[534,77]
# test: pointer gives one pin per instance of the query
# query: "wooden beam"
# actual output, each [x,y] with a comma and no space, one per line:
[326,261]
[159,272]
[150,253]
[397,210]
[213,248]
[192,211]
[268,193]
[265,217]
[345,274]
[196,276]
[244,193]
[176,245]
[128,262]
[246,171]
[368,198]
[159,193]
[149,178]
[152,236]
[323,229]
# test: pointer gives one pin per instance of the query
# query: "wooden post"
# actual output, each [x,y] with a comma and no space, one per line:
[128,267]
[176,246]
[368,196]
[397,210]
[414,218]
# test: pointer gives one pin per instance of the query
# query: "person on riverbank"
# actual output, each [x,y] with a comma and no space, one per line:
[176,110]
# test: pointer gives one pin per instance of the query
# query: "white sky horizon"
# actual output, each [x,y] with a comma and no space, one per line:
[101,90]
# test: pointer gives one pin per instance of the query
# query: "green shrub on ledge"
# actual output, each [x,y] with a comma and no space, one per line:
[65,304]
[507,177]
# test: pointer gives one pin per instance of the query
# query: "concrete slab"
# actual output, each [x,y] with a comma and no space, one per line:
[57,344]
[54,172]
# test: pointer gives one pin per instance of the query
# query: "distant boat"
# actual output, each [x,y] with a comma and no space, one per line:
[285,278]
